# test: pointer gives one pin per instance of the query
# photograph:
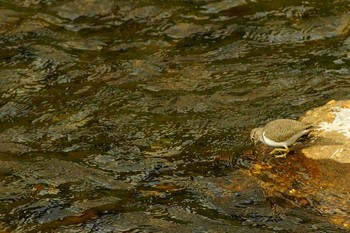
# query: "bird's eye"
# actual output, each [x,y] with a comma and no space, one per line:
[252,136]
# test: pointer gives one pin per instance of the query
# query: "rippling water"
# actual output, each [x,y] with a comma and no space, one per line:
[118,116]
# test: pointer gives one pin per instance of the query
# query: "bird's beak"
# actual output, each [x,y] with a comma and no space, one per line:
[255,143]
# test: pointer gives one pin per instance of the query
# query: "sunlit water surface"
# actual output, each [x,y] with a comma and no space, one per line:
[129,116]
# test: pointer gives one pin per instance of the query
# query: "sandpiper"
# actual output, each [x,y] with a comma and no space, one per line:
[280,133]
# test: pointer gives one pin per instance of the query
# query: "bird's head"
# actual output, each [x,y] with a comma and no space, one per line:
[256,135]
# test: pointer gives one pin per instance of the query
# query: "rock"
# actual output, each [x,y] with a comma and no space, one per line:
[330,140]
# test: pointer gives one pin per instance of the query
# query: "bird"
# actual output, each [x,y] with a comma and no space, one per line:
[281,134]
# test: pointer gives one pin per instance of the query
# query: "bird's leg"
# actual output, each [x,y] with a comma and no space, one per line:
[278,150]
[279,155]
[284,155]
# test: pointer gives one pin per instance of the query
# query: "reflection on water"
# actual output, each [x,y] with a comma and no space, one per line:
[132,116]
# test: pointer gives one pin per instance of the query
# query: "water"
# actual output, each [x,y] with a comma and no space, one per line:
[134,116]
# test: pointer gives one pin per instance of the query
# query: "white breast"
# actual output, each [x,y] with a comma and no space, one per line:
[272,143]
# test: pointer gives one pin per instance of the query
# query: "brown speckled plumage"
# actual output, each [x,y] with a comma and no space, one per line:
[282,129]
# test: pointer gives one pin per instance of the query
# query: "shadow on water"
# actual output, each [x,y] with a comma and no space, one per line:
[134,116]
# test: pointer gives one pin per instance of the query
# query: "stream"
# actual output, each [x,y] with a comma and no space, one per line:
[134,115]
